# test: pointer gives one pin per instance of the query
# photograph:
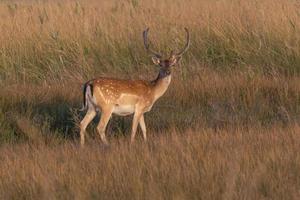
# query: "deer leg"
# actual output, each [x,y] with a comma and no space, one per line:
[143,126]
[105,116]
[89,116]
[136,118]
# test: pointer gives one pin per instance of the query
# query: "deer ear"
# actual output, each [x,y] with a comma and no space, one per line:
[174,60]
[155,60]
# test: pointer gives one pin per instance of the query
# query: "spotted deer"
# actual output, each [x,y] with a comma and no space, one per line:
[125,97]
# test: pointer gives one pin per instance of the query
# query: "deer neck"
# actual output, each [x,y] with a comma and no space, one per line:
[161,83]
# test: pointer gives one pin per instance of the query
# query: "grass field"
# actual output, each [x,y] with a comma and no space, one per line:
[227,128]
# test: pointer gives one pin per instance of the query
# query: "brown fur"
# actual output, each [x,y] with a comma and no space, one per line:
[124,97]
[115,95]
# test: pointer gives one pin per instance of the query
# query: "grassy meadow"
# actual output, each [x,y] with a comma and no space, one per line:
[227,128]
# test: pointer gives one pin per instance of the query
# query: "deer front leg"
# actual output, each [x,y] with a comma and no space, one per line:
[136,119]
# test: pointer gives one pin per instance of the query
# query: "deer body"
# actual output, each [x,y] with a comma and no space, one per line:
[125,97]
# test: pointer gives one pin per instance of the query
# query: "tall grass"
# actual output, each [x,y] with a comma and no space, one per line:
[43,40]
[204,164]
[227,128]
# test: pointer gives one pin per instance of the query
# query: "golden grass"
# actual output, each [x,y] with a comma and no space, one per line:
[229,136]
[227,128]
[42,40]
[203,164]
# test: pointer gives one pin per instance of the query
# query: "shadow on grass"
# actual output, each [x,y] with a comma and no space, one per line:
[61,118]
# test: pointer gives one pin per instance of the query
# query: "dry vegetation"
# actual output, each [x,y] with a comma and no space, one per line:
[253,164]
[228,127]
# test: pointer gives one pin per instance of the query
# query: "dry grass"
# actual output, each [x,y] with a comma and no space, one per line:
[230,136]
[43,40]
[227,128]
[203,164]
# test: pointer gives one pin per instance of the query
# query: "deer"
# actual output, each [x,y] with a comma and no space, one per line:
[126,97]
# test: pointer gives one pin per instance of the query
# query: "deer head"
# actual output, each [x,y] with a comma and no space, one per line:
[172,59]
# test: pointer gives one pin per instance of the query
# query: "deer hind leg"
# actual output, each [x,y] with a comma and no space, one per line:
[143,126]
[89,116]
[105,116]
[136,119]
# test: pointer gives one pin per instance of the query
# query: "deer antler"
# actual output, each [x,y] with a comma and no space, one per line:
[147,45]
[186,45]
